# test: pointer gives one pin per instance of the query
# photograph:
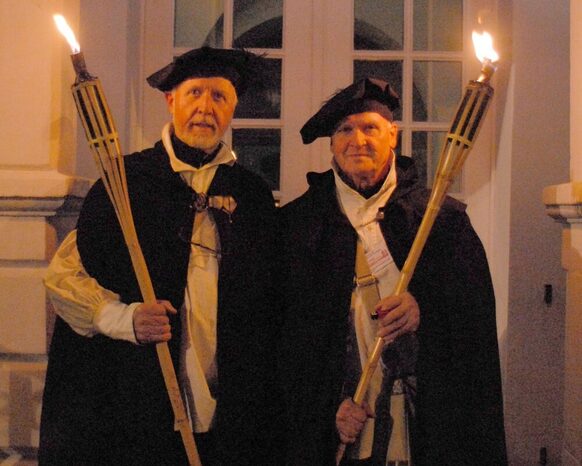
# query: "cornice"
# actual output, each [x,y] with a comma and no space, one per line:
[30,193]
[564,202]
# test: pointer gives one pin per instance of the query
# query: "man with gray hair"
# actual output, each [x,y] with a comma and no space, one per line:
[437,398]
[206,228]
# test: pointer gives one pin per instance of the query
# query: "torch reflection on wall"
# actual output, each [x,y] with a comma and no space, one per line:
[104,143]
[460,138]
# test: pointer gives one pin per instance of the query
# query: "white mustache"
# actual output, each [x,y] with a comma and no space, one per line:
[202,121]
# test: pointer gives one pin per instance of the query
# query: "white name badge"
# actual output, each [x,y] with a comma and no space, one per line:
[377,254]
[378,260]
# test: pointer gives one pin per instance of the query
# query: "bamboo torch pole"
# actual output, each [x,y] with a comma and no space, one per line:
[460,138]
[103,141]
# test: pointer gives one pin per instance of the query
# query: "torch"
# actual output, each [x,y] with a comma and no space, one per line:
[460,138]
[103,141]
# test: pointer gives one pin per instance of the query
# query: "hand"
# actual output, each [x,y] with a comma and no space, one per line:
[151,323]
[350,419]
[397,315]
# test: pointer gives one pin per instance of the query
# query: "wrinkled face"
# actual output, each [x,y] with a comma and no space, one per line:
[202,109]
[362,147]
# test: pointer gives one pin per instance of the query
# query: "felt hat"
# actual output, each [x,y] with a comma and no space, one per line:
[238,66]
[365,95]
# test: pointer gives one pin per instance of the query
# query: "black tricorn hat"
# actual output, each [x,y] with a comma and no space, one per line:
[238,66]
[365,95]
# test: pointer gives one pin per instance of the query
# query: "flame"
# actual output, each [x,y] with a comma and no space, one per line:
[66,31]
[484,47]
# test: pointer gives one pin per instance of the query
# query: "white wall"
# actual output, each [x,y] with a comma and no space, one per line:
[107,36]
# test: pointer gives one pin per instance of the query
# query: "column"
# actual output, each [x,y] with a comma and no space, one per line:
[564,203]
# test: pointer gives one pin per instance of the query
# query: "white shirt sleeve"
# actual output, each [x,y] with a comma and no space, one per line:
[79,299]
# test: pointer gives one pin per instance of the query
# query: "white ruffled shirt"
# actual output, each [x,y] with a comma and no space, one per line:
[90,309]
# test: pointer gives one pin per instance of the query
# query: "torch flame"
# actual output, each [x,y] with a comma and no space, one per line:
[484,47]
[66,31]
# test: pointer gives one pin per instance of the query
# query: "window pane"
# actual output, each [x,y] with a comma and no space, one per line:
[258,23]
[426,150]
[263,99]
[419,154]
[438,85]
[378,24]
[198,23]
[259,150]
[438,25]
[388,70]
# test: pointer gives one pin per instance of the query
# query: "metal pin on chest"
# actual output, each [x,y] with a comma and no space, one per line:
[200,202]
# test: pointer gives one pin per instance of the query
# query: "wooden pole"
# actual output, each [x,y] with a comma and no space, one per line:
[104,143]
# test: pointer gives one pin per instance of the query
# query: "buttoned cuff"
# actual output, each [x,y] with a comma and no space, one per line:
[115,319]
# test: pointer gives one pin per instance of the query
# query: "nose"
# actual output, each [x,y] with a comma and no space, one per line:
[358,138]
[205,103]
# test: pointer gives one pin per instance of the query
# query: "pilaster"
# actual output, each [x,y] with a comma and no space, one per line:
[37,209]
[564,203]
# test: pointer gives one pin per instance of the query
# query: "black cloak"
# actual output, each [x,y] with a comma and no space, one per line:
[458,407]
[105,400]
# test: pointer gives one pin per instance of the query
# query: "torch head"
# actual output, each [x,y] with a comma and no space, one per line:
[80,67]
[486,55]
[76,55]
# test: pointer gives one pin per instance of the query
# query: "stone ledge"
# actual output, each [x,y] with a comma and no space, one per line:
[41,184]
[18,456]
[564,202]
[40,206]
[40,193]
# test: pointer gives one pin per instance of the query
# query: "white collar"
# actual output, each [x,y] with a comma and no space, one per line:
[225,156]
[359,210]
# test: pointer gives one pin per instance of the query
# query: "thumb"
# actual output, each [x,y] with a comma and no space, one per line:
[167,306]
